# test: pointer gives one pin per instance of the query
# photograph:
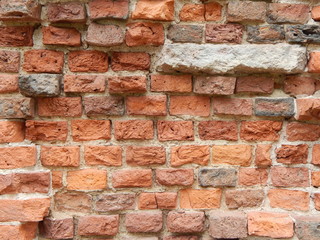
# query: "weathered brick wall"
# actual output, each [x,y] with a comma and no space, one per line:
[159,119]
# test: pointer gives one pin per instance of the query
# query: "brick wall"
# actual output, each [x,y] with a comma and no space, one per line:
[159,120]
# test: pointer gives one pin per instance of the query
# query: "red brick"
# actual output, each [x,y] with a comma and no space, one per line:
[31,182]
[17,157]
[314,62]
[102,106]
[20,11]
[147,201]
[185,222]
[25,231]
[73,12]
[274,225]
[224,33]
[213,11]
[103,155]
[172,177]
[143,222]
[127,84]
[99,9]
[163,200]
[302,132]
[315,13]
[133,130]
[190,154]
[263,130]
[11,131]
[192,12]
[84,83]
[289,199]
[72,202]
[232,106]
[147,105]
[181,238]
[20,107]
[127,178]
[43,61]
[104,35]
[288,13]
[200,198]
[145,155]
[190,105]
[171,83]
[87,179]
[255,84]
[253,176]
[246,11]
[61,36]
[316,154]
[175,130]
[218,85]
[46,130]
[27,210]
[97,225]
[297,85]
[88,61]
[292,154]
[290,177]
[57,228]
[19,36]
[60,107]
[308,109]
[144,33]
[9,61]
[8,83]
[66,156]
[232,154]
[86,130]
[162,10]
[263,155]
[56,178]
[130,61]
[236,199]
[218,130]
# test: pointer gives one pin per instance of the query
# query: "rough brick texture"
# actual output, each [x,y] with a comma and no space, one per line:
[159,119]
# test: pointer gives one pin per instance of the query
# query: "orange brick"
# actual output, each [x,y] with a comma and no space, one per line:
[61,36]
[200,199]
[144,33]
[144,156]
[315,179]
[87,179]
[290,177]
[147,105]
[23,231]
[68,156]
[213,11]
[190,105]
[56,177]
[314,62]
[175,130]
[84,83]
[43,61]
[171,83]
[190,154]
[127,84]
[147,201]
[260,130]
[132,178]
[46,130]
[162,10]
[263,155]
[17,157]
[316,154]
[86,130]
[103,155]
[88,61]
[11,131]
[315,13]
[253,176]
[100,9]
[133,130]
[166,200]
[192,12]
[274,225]
[289,199]
[60,107]
[307,109]
[232,154]
[302,132]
